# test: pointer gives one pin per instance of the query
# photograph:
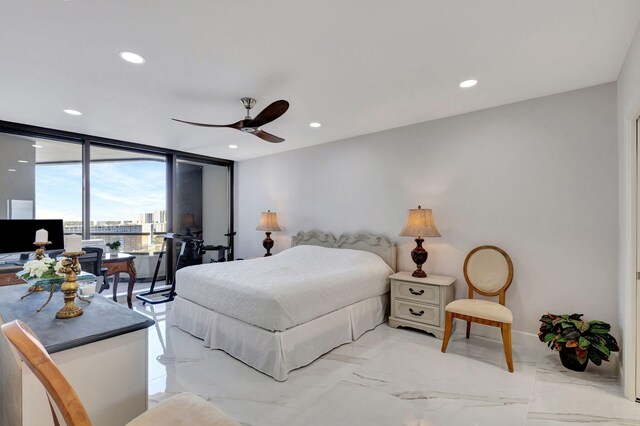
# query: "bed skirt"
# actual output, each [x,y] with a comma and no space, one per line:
[276,353]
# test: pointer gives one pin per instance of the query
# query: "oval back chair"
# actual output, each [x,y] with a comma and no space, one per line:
[488,271]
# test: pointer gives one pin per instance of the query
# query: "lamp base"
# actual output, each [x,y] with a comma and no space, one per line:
[419,256]
[419,273]
[267,244]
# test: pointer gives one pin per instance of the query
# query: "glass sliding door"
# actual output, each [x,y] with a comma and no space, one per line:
[201,207]
[41,179]
[128,199]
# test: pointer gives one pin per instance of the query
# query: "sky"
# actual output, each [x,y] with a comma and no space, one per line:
[119,190]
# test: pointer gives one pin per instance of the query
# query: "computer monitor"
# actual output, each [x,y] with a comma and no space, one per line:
[17,235]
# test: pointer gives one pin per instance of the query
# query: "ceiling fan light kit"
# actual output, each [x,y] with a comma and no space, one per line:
[252,125]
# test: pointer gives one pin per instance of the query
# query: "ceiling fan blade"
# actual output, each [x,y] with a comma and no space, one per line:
[236,125]
[269,114]
[268,136]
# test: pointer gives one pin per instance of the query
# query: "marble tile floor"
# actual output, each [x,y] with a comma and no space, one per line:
[392,377]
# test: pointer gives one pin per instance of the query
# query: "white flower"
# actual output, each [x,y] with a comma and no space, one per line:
[37,268]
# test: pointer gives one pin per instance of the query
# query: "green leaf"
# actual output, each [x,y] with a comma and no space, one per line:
[583,343]
[602,348]
[595,357]
[549,337]
[581,325]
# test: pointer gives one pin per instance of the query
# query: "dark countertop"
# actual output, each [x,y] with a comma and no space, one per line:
[102,318]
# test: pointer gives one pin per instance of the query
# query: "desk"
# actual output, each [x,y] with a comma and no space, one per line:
[8,275]
[103,354]
[121,263]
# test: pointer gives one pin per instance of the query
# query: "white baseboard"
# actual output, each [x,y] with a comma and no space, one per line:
[522,337]
[493,333]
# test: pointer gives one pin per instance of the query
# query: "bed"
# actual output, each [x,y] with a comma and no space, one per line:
[282,312]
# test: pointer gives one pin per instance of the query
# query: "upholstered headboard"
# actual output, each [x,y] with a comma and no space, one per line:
[365,241]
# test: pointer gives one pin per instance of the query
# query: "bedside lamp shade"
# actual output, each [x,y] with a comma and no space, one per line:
[268,223]
[419,224]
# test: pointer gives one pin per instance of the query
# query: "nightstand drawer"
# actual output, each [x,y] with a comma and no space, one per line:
[418,292]
[417,312]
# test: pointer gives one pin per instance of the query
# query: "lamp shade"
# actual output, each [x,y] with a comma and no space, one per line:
[188,220]
[268,222]
[420,224]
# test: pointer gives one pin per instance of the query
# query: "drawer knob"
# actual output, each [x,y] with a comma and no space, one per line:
[418,314]
[417,293]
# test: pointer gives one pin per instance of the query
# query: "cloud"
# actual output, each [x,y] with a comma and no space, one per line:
[119,190]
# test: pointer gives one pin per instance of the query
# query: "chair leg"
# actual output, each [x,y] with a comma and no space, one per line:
[448,325]
[468,328]
[506,340]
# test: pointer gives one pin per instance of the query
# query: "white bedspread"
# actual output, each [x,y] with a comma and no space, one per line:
[286,289]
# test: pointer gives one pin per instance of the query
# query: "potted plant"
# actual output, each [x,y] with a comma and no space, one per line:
[114,247]
[577,341]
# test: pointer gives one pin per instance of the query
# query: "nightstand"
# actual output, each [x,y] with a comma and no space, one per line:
[420,302]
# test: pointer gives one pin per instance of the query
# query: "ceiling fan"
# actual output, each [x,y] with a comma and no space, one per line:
[252,125]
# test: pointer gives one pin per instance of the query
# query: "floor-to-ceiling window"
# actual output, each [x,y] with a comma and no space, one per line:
[128,198]
[41,179]
[108,189]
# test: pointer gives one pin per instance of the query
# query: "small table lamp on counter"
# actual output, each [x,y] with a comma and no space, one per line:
[419,224]
[268,223]
[188,221]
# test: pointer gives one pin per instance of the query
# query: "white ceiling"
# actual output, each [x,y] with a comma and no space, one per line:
[357,66]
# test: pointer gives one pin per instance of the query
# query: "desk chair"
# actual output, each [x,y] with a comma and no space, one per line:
[91,262]
[183,409]
[55,253]
[488,271]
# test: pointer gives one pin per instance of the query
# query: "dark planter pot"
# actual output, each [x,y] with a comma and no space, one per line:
[570,360]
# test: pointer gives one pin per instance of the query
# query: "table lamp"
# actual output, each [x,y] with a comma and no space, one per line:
[419,224]
[188,221]
[268,223]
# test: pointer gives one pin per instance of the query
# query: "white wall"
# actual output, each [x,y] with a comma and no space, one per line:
[628,97]
[537,178]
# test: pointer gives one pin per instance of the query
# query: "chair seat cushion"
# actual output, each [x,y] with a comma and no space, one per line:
[484,309]
[183,409]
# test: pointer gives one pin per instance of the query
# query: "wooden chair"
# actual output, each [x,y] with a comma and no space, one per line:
[182,409]
[488,271]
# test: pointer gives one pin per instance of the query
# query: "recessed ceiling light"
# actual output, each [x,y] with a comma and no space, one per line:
[72,112]
[134,58]
[11,170]
[23,161]
[468,83]
[233,146]
[36,146]
[315,124]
